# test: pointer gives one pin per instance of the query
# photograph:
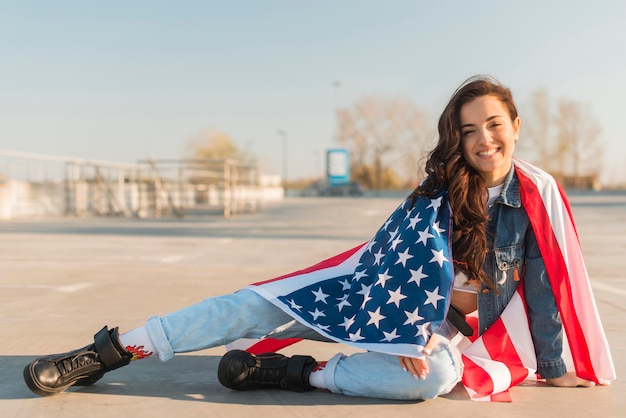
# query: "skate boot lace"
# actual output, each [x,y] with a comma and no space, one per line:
[265,375]
[70,364]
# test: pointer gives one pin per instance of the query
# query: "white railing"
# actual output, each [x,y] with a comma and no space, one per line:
[43,185]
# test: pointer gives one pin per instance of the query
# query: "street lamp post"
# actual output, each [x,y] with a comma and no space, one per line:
[317,171]
[283,134]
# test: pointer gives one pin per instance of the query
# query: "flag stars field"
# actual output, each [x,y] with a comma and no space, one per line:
[383,296]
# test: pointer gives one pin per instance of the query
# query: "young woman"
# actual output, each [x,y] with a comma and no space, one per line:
[471,184]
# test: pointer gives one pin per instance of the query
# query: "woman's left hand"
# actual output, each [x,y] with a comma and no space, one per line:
[569,380]
[418,366]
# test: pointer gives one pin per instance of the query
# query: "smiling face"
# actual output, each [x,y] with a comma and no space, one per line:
[488,137]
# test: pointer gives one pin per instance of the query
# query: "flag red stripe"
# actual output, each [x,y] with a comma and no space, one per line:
[501,397]
[568,208]
[558,275]
[500,347]
[472,321]
[270,345]
[477,378]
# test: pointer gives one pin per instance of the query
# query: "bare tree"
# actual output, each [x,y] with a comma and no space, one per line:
[383,135]
[536,130]
[214,144]
[578,151]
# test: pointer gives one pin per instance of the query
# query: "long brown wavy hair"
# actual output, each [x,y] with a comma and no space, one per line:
[446,168]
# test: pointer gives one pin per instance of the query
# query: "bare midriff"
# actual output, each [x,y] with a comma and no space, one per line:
[466,302]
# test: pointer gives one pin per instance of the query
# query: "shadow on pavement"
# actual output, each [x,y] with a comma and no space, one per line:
[192,378]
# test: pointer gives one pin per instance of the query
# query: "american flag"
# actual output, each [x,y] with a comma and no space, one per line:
[388,295]
[504,355]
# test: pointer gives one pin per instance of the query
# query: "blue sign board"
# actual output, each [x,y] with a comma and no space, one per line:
[338,166]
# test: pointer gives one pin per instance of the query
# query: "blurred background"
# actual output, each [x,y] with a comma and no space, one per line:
[304,96]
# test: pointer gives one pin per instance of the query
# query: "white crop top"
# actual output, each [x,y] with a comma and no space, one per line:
[461,284]
[494,192]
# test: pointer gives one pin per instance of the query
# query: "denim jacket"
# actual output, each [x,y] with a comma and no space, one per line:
[513,255]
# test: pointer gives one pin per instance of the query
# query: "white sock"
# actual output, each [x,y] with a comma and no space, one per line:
[316,379]
[138,342]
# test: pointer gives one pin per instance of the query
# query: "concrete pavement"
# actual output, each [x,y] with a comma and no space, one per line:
[61,280]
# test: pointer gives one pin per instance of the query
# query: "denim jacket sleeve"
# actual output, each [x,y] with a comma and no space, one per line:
[545,324]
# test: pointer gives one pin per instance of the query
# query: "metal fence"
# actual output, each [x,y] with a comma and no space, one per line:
[44,185]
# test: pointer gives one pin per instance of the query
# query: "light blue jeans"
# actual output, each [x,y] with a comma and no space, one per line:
[220,320]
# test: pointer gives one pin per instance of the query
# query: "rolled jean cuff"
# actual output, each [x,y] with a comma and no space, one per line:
[159,339]
[329,373]
[551,369]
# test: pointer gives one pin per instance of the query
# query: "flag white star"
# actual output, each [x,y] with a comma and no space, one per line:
[365,291]
[370,245]
[356,336]
[379,255]
[317,314]
[375,317]
[384,228]
[417,276]
[359,275]
[390,336]
[435,203]
[382,278]
[438,257]
[414,221]
[347,322]
[323,327]
[320,295]
[433,297]
[423,330]
[397,241]
[412,317]
[424,235]
[393,233]
[345,284]
[437,228]
[408,213]
[294,305]
[396,296]
[403,257]
[343,302]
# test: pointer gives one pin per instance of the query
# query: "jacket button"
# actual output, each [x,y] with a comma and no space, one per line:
[485,291]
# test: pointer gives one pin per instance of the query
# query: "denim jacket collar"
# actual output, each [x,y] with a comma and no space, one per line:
[510,194]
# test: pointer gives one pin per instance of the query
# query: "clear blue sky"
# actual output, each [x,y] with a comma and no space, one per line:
[124,80]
